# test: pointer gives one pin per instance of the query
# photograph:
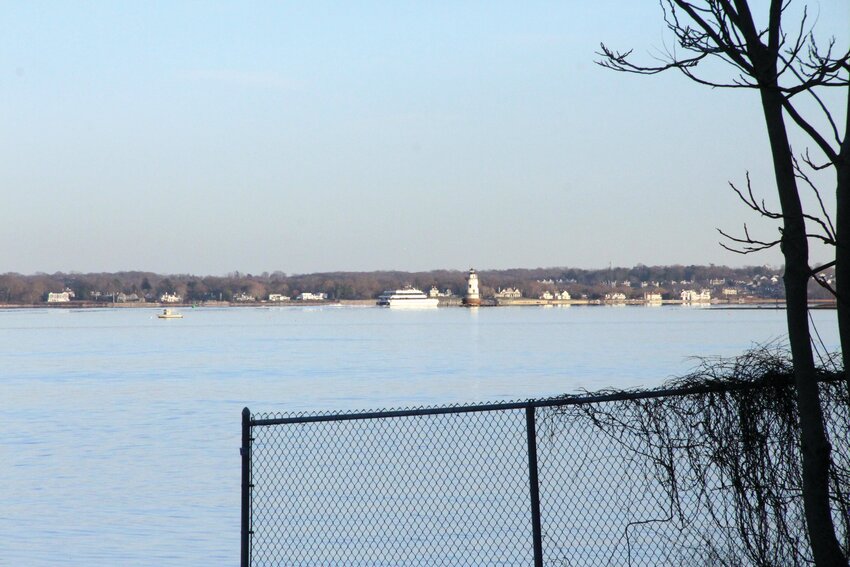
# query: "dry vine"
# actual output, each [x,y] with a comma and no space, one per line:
[731,453]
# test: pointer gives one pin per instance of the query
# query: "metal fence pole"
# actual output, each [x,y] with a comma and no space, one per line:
[245,451]
[531,432]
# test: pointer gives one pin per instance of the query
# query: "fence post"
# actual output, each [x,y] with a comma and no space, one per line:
[531,432]
[245,451]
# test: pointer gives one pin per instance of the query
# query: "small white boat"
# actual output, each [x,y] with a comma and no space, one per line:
[169,314]
[407,297]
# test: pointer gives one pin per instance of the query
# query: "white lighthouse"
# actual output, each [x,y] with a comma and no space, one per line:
[472,297]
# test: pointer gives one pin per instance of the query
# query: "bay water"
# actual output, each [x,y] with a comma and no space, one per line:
[120,432]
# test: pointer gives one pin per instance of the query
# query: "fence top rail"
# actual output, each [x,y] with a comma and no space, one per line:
[569,400]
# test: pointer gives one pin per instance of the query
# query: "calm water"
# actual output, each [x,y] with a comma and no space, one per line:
[120,432]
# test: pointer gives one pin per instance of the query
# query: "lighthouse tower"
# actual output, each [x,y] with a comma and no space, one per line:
[472,297]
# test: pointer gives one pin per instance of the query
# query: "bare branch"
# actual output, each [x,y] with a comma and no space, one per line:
[618,61]
[743,251]
[807,159]
[799,43]
[807,85]
[716,33]
[733,51]
[810,130]
[752,203]
[824,284]
[822,268]
[824,239]
[750,244]
[826,225]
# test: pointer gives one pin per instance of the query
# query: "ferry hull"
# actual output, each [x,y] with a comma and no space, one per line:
[409,303]
[406,298]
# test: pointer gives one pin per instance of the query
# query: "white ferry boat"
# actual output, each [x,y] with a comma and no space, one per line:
[407,297]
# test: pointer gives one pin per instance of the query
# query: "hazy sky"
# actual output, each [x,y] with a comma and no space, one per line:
[208,137]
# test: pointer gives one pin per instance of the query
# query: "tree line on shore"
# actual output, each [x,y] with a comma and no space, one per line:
[755,281]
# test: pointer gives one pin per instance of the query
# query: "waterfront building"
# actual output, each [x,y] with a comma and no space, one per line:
[693,296]
[310,296]
[650,297]
[615,298]
[278,297]
[170,298]
[58,297]
[563,296]
[434,292]
[473,296]
[509,293]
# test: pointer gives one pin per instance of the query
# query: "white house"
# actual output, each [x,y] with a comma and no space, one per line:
[434,292]
[547,295]
[243,297]
[692,296]
[653,298]
[508,293]
[310,296]
[615,297]
[278,297]
[170,298]
[58,297]
[729,291]
[563,296]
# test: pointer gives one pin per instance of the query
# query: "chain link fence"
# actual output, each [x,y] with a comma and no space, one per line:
[570,481]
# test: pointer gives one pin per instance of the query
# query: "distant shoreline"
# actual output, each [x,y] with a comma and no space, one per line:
[451,302]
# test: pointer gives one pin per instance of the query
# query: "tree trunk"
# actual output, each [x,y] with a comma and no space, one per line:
[814,444]
[842,237]
[842,257]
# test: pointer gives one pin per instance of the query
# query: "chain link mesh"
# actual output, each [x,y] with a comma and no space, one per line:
[421,490]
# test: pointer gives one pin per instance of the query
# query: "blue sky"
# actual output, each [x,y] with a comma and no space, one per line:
[211,137]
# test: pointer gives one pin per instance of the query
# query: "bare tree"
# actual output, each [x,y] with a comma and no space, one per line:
[778,67]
